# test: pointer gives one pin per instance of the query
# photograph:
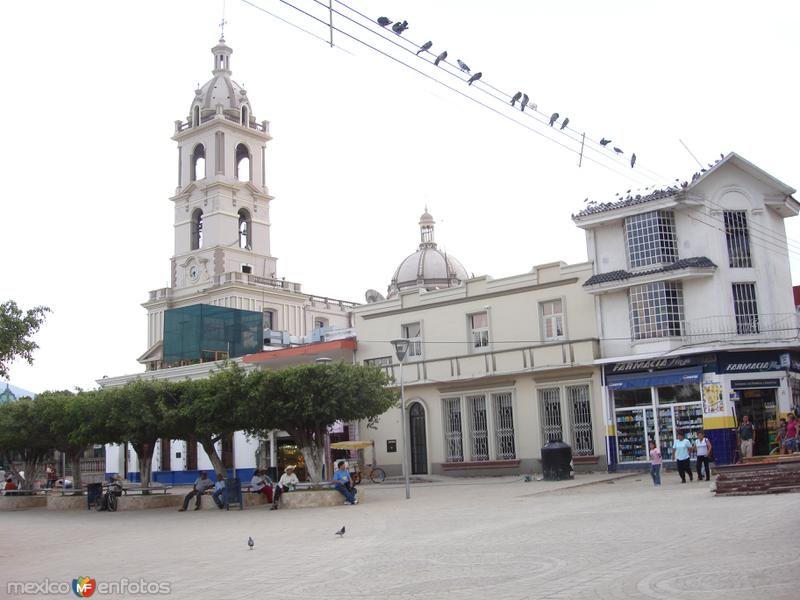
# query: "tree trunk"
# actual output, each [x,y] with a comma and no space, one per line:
[32,471]
[144,452]
[208,445]
[311,447]
[75,462]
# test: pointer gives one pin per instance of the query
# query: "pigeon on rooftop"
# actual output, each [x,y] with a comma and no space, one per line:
[553,118]
[399,27]
[604,142]
[463,66]
[440,58]
[524,102]
[515,97]
[340,533]
[426,46]
[384,21]
[250,542]
[633,159]
[474,78]
[564,123]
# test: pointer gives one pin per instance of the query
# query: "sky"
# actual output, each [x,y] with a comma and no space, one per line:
[362,144]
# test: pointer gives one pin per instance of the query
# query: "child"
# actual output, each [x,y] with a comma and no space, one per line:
[655,463]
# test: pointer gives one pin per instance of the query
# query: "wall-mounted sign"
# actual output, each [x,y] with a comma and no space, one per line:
[712,398]
[752,384]
[391,445]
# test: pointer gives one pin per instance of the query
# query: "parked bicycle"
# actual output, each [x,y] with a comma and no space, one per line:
[373,473]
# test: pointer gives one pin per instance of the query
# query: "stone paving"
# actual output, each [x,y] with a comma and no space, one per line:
[482,538]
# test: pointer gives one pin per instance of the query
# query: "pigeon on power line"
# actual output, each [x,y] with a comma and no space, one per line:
[340,533]
[633,159]
[463,66]
[250,542]
[618,150]
[440,58]
[553,118]
[474,78]
[384,21]
[424,47]
[604,142]
[514,98]
[564,123]
[399,27]
[524,102]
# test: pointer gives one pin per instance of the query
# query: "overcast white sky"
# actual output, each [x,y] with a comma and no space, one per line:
[361,144]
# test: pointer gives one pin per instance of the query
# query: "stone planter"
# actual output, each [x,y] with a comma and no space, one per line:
[315,498]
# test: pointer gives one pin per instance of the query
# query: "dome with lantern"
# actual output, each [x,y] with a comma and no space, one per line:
[221,91]
[428,268]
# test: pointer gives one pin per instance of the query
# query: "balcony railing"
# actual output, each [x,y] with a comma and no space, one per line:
[262,126]
[731,328]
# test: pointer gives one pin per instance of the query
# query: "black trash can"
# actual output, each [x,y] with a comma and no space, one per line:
[233,492]
[93,493]
[557,461]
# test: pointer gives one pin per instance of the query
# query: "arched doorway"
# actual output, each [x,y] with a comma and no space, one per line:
[419,446]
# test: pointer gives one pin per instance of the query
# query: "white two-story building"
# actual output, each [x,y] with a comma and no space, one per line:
[693,297]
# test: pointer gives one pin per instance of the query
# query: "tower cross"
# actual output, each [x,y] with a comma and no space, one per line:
[222,24]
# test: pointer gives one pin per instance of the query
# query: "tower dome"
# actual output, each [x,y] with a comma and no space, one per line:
[428,268]
[221,93]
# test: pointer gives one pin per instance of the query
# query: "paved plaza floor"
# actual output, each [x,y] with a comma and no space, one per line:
[476,538]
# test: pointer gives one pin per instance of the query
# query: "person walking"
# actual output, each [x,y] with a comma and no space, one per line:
[655,464]
[201,484]
[682,447]
[702,448]
[790,438]
[747,437]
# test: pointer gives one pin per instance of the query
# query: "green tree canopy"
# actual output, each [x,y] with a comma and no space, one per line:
[16,330]
[307,399]
[26,434]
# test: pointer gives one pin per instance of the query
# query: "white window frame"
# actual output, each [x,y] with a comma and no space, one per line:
[416,347]
[478,336]
[651,239]
[544,319]
[493,437]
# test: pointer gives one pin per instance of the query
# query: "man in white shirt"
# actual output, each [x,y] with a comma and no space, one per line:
[287,483]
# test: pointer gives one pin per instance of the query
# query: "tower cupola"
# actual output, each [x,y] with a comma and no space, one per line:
[221,94]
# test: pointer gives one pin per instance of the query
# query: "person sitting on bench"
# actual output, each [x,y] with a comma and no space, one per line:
[261,484]
[201,484]
[344,485]
[287,483]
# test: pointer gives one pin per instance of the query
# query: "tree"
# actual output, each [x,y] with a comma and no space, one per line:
[16,330]
[307,399]
[140,412]
[208,410]
[24,433]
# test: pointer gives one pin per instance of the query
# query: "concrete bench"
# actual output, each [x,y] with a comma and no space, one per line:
[22,501]
[315,498]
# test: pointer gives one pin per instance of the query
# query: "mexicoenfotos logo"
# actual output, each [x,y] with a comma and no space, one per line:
[84,586]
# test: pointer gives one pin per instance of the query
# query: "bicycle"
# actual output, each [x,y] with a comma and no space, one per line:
[375,474]
[107,500]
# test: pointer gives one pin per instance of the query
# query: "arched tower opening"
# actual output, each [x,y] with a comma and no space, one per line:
[242,171]
[197,229]
[198,162]
[245,230]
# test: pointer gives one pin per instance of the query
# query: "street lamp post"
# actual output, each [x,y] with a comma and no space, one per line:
[327,467]
[401,349]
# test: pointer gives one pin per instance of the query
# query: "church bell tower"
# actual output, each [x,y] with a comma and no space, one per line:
[222,202]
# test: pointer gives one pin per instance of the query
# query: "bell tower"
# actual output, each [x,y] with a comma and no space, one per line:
[221,203]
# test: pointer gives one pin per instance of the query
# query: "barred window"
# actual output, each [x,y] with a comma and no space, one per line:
[745,308]
[479,328]
[656,310]
[552,320]
[550,414]
[413,333]
[738,238]
[651,238]
[478,426]
[580,413]
[453,436]
[504,426]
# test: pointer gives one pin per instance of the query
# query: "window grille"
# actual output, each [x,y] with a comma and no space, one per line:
[479,325]
[504,426]
[413,333]
[382,361]
[581,420]
[746,308]
[453,437]
[550,414]
[738,238]
[479,431]
[656,310]
[552,320]
[651,238]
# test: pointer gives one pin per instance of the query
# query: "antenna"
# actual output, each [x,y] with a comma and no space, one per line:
[690,154]
[222,23]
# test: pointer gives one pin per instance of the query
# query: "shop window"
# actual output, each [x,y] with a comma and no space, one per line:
[745,308]
[795,395]
[656,310]
[479,330]
[413,333]
[580,412]
[478,428]
[550,414]
[453,437]
[689,392]
[552,319]
[651,239]
[504,426]
[630,398]
[738,239]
